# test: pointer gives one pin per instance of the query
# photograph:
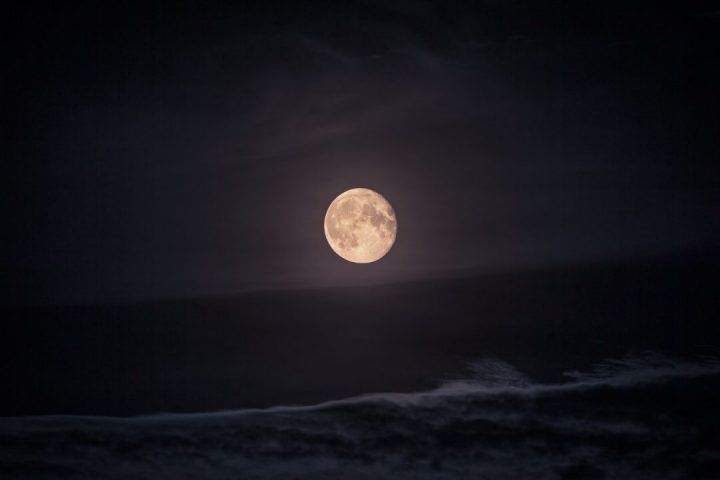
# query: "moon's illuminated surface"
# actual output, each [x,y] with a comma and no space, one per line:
[360,225]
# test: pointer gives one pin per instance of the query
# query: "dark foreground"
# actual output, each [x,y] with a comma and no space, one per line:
[634,418]
[68,372]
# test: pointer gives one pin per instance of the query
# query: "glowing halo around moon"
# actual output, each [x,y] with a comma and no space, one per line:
[360,225]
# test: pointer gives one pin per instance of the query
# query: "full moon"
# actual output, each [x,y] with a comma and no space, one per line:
[360,225]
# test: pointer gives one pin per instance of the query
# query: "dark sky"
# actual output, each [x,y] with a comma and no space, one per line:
[189,149]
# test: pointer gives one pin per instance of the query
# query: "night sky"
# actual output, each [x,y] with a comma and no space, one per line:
[169,304]
[166,151]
